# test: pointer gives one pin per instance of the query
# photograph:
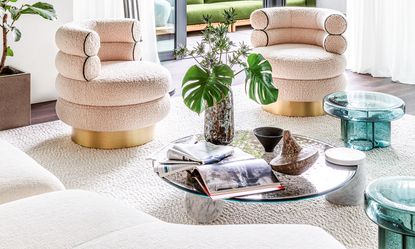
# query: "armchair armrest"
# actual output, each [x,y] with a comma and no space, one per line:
[75,39]
[331,43]
[331,21]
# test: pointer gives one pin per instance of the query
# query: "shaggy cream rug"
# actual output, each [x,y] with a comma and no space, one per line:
[125,175]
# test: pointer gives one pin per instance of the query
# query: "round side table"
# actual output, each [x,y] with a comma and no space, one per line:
[365,117]
[390,203]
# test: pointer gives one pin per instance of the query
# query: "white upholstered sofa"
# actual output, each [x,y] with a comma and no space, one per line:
[37,212]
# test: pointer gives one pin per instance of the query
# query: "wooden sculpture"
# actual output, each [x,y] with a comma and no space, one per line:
[294,160]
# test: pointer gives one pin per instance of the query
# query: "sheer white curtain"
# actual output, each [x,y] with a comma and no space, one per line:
[91,9]
[381,37]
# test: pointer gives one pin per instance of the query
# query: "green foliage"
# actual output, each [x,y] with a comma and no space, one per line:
[258,83]
[208,82]
[9,51]
[202,89]
[10,13]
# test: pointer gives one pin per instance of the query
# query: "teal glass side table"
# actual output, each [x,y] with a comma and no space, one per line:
[365,117]
[390,203]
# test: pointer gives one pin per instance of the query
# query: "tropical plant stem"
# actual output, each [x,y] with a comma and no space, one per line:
[4,52]
[239,72]
[196,60]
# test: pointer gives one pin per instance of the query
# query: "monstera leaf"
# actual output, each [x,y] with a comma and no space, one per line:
[258,83]
[202,89]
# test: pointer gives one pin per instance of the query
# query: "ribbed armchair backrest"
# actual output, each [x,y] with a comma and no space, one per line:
[314,26]
[84,45]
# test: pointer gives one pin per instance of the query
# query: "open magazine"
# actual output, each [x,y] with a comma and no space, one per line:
[236,178]
[168,167]
[219,171]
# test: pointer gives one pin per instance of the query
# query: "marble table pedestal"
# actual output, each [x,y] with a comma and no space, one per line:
[202,209]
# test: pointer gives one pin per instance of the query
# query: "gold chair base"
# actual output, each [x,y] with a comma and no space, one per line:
[295,109]
[113,140]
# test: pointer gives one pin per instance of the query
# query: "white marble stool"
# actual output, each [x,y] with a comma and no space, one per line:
[352,193]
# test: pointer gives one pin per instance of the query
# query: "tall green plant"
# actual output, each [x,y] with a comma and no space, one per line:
[219,60]
[10,14]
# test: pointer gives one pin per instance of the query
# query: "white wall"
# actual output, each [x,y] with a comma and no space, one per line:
[340,5]
[35,52]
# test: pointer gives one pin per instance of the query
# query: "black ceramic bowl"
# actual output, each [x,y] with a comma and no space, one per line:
[269,137]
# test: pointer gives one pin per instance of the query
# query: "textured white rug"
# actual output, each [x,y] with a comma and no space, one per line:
[125,175]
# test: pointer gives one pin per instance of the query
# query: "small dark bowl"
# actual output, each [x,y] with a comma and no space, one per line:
[269,137]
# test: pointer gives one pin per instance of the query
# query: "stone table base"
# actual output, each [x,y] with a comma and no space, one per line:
[202,209]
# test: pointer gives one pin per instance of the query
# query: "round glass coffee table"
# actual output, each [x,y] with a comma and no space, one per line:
[365,117]
[390,203]
[322,178]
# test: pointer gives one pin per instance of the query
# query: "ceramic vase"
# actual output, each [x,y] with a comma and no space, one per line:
[162,9]
[219,122]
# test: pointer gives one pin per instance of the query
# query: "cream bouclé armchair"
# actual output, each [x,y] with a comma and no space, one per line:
[108,95]
[305,47]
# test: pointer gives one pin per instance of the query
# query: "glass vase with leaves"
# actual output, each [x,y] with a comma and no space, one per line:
[206,86]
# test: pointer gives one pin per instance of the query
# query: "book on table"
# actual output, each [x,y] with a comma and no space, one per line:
[236,178]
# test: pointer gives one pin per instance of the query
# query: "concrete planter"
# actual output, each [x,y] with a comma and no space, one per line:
[14,99]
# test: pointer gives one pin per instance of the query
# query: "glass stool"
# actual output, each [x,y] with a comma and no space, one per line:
[390,203]
[365,117]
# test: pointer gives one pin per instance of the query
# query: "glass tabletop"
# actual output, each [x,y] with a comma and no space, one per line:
[390,202]
[322,178]
[364,106]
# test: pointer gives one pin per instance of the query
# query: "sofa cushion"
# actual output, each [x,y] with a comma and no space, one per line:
[243,10]
[303,62]
[21,176]
[177,236]
[79,219]
[120,83]
[63,219]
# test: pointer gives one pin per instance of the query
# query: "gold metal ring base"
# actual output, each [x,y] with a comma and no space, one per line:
[113,140]
[295,109]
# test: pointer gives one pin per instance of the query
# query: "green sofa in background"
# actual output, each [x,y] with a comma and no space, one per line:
[308,3]
[197,8]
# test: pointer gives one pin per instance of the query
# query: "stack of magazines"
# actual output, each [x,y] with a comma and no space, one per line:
[220,171]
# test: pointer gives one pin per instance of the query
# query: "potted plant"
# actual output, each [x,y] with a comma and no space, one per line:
[206,86]
[15,84]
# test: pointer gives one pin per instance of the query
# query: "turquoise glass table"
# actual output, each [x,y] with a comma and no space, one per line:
[365,117]
[390,203]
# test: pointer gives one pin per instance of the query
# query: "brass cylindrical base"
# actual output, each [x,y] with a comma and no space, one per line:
[296,109]
[112,140]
